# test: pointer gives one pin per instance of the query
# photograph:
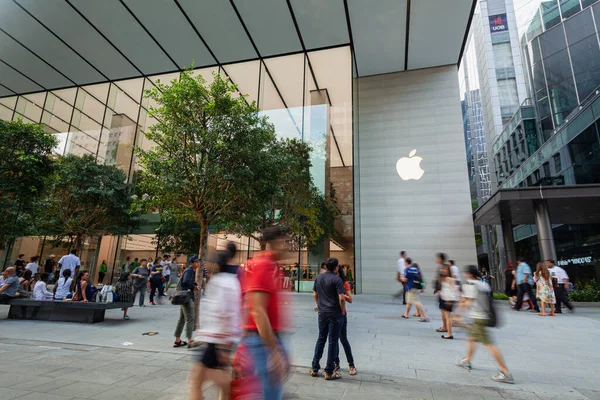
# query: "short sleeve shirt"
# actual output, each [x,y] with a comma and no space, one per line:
[70,261]
[328,287]
[13,283]
[559,274]
[401,267]
[156,277]
[412,275]
[140,281]
[476,290]
[523,269]
[260,276]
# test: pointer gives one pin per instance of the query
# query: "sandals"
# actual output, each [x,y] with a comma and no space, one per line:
[180,343]
[441,330]
[333,376]
[404,316]
[352,371]
[314,374]
[416,315]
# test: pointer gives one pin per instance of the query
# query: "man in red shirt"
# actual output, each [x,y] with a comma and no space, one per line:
[263,320]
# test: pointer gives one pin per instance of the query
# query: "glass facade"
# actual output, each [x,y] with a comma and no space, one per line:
[307,96]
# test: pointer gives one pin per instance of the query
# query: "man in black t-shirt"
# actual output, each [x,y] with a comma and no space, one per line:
[328,292]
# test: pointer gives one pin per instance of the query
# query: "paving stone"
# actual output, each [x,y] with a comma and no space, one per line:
[125,393]
[80,389]
[9,394]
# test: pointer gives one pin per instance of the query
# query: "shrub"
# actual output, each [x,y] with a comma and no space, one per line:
[500,296]
[586,292]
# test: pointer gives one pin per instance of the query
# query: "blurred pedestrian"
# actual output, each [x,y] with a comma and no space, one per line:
[545,291]
[561,286]
[400,276]
[440,259]
[186,310]
[477,299]
[219,330]
[449,295]
[344,333]
[509,286]
[264,320]
[174,276]
[140,278]
[414,284]
[524,284]
[330,297]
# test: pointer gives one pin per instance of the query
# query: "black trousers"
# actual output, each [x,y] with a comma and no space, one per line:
[154,285]
[101,276]
[526,288]
[561,297]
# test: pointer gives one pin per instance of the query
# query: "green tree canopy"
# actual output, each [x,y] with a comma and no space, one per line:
[210,145]
[87,199]
[25,164]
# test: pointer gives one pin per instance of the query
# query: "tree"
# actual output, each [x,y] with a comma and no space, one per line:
[210,147]
[87,199]
[25,164]
[285,195]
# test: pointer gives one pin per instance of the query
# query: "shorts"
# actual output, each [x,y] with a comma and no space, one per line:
[207,356]
[446,305]
[479,332]
[412,296]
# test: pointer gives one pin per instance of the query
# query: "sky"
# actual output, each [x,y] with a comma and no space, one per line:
[524,11]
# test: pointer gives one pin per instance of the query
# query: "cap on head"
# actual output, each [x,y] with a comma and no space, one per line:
[193,259]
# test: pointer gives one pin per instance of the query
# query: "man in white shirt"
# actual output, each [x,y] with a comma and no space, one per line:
[166,271]
[33,265]
[455,272]
[476,297]
[401,276]
[561,287]
[70,261]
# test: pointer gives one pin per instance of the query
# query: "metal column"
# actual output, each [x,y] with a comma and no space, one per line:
[544,230]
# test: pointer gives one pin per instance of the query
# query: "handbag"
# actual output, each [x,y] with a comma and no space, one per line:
[180,297]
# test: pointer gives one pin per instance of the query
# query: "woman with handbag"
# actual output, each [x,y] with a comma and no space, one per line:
[219,330]
[184,297]
[449,296]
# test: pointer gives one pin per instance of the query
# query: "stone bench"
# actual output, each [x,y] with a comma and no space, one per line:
[63,311]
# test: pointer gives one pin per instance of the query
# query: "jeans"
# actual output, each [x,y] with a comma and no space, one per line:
[142,290]
[101,276]
[186,317]
[330,325]
[271,388]
[526,288]
[153,286]
[345,344]
[561,297]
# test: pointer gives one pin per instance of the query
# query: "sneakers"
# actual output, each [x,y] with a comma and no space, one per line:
[464,364]
[152,303]
[504,378]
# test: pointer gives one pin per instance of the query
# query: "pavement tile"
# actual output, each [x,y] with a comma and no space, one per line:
[80,389]
[157,384]
[102,377]
[43,396]
[591,394]
[9,394]
[49,385]
[125,393]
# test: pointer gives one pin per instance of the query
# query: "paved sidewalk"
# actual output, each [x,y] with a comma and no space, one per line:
[33,370]
[557,355]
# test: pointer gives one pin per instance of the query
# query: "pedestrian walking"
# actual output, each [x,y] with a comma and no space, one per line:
[560,281]
[219,330]
[174,276]
[545,291]
[440,259]
[400,276]
[524,283]
[477,299]
[265,317]
[140,278]
[49,265]
[156,281]
[414,285]
[344,332]
[124,291]
[509,283]
[329,294]
[186,310]
[449,295]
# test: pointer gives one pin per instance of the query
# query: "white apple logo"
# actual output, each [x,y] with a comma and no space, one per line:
[410,167]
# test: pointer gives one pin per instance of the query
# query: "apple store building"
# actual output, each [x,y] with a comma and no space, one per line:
[371,85]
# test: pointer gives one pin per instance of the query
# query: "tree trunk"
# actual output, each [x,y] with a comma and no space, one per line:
[78,243]
[202,256]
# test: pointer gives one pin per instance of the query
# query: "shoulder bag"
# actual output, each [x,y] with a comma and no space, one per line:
[181,296]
